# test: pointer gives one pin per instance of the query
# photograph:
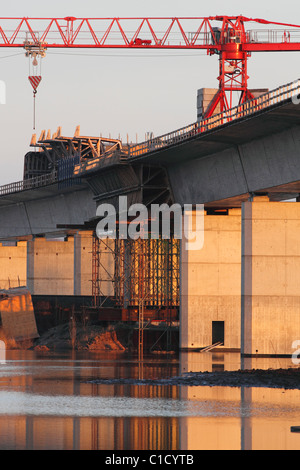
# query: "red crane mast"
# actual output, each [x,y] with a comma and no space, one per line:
[224,36]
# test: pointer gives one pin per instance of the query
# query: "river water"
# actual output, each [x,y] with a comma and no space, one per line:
[50,401]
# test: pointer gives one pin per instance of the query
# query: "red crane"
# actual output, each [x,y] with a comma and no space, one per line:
[224,36]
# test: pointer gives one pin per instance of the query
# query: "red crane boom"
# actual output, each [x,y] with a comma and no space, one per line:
[225,36]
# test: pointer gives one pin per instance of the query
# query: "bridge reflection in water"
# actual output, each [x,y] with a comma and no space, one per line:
[50,403]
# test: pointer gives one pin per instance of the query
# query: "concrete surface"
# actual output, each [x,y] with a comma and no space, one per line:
[211,283]
[270,277]
[13,262]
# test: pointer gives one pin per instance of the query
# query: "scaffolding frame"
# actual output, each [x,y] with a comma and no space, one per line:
[142,269]
[140,274]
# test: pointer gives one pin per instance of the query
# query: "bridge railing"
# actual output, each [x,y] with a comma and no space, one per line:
[30,183]
[246,109]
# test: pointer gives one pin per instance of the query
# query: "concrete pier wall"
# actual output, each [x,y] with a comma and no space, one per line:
[270,277]
[57,267]
[49,267]
[211,284]
[82,274]
[244,284]
[13,262]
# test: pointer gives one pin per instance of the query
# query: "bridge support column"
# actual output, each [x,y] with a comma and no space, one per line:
[211,285]
[50,267]
[83,247]
[270,317]
[12,265]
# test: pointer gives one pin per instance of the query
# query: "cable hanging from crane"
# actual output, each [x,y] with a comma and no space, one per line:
[35,53]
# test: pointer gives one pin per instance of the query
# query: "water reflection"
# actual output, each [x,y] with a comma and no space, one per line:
[48,402]
[265,415]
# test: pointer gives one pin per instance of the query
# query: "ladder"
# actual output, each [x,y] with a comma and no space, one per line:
[212,346]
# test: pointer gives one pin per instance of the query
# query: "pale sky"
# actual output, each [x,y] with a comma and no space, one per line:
[122,92]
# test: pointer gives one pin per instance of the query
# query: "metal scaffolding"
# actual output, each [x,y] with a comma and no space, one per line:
[139,276]
[130,271]
[103,271]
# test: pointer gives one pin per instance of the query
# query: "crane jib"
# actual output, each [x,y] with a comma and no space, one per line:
[224,36]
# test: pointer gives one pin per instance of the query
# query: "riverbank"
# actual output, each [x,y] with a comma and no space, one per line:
[120,338]
[70,336]
[108,337]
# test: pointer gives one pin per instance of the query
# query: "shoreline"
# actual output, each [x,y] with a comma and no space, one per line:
[104,337]
[119,338]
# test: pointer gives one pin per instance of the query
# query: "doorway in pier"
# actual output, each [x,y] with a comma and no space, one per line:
[218,332]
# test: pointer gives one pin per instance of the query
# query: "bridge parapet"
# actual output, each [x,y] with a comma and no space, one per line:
[31,183]
[247,109]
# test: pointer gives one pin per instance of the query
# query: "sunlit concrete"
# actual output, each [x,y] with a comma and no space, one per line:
[83,246]
[50,267]
[211,283]
[58,266]
[270,277]
[13,262]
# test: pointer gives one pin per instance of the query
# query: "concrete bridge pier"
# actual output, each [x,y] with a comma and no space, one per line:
[13,262]
[60,267]
[83,247]
[50,266]
[211,285]
[270,275]
[242,288]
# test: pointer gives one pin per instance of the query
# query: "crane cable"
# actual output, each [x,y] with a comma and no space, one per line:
[34,78]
